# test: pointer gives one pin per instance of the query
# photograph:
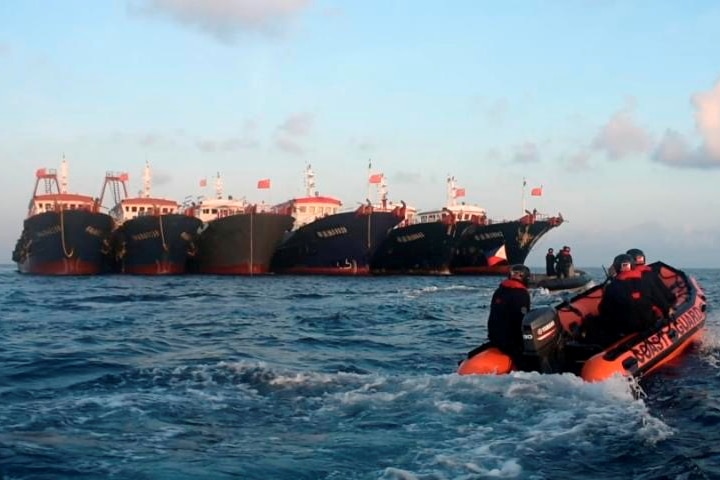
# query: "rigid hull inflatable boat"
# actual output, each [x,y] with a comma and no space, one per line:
[562,338]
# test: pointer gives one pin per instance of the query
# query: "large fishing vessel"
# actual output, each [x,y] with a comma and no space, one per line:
[426,244]
[459,238]
[236,238]
[328,241]
[152,236]
[490,248]
[64,233]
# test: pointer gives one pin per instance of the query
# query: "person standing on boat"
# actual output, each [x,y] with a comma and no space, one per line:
[509,304]
[662,296]
[564,262]
[626,306]
[550,263]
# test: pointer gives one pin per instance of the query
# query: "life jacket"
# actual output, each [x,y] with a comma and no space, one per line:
[629,275]
[513,283]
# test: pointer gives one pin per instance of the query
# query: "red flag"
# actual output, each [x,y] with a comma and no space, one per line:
[376,178]
[459,192]
[536,192]
[264,183]
[124,177]
[40,172]
[203,182]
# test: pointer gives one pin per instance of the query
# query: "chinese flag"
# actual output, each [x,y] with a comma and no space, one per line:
[460,192]
[124,177]
[536,192]
[203,182]
[40,172]
[264,183]
[376,178]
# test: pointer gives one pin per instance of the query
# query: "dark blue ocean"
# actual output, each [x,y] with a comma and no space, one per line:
[203,377]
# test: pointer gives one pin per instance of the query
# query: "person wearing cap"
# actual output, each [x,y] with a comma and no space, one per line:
[626,306]
[510,302]
[550,263]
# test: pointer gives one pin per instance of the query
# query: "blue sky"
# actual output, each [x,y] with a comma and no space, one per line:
[612,106]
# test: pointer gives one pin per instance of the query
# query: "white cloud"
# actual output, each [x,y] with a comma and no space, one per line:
[288,145]
[226,145]
[675,150]
[621,136]
[707,118]
[578,161]
[526,153]
[225,19]
[298,124]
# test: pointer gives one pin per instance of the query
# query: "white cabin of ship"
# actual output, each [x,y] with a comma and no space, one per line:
[308,209]
[213,208]
[61,201]
[130,208]
[462,212]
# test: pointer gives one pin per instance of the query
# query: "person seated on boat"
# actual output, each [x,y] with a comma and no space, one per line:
[626,306]
[564,262]
[550,263]
[662,295]
[509,304]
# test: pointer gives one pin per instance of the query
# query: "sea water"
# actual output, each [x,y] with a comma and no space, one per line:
[285,377]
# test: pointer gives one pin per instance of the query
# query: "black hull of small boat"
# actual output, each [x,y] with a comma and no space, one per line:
[553,283]
[67,242]
[339,244]
[240,244]
[156,244]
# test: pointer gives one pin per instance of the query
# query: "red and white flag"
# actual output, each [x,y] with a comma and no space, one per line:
[496,256]
[536,192]
[264,183]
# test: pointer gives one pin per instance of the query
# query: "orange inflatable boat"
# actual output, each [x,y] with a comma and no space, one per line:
[565,338]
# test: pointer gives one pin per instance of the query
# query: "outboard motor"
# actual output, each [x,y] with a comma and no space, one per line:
[542,339]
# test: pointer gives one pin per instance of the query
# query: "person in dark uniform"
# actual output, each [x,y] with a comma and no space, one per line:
[626,306]
[662,296]
[509,304]
[550,263]
[564,262]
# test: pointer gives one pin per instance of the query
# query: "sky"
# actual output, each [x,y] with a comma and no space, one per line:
[612,107]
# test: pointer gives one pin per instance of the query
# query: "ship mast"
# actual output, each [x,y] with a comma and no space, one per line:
[309,182]
[63,175]
[382,191]
[451,191]
[147,180]
[369,185]
[218,186]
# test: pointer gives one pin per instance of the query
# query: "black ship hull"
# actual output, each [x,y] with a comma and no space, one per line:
[460,248]
[156,244]
[492,249]
[241,244]
[65,242]
[339,244]
[418,249]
